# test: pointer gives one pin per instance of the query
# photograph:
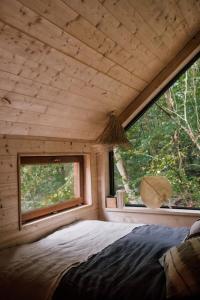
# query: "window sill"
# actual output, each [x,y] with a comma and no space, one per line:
[55,216]
[160,211]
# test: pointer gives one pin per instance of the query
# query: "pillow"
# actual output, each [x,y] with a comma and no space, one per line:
[182,269]
[194,230]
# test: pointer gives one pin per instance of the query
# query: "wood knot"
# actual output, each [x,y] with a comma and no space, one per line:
[6,100]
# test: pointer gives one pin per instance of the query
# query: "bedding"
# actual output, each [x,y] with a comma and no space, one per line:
[90,260]
[126,270]
[182,269]
[39,266]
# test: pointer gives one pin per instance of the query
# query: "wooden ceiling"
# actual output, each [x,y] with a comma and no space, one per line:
[64,64]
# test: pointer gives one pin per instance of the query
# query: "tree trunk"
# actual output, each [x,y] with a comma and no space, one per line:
[123,173]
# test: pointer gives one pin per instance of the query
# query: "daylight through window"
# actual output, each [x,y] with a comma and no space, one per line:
[165,141]
[49,184]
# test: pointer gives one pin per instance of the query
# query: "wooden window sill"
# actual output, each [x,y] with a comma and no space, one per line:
[161,211]
[56,215]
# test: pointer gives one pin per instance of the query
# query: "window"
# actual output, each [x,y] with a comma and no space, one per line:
[49,184]
[165,141]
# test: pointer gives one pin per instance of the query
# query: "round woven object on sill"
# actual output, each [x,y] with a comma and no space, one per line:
[155,190]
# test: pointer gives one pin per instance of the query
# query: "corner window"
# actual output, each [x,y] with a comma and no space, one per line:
[165,141]
[49,184]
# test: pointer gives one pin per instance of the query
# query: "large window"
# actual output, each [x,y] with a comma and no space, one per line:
[49,184]
[165,141]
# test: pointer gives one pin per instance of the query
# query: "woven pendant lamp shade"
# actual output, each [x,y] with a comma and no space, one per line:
[113,134]
[155,190]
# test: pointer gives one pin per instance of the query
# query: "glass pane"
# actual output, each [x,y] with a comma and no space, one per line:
[166,141]
[46,184]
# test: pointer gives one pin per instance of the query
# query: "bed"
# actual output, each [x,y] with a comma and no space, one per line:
[90,260]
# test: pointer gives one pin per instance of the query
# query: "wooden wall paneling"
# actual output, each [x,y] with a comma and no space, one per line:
[9,147]
[161,80]
[37,230]
[8,164]
[8,177]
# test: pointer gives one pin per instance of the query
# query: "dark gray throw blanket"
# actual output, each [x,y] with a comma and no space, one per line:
[126,270]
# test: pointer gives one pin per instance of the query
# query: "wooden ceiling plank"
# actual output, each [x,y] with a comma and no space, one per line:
[22,102]
[9,41]
[184,56]
[176,20]
[191,13]
[18,115]
[114,86]
[16,42]
[31,104]
[18,128]
[38,27]
[14,13]
[13,83]
[95,13]
[64,99]
[35,88]
[77,120]
[57,12]
[158,16]
[128,16]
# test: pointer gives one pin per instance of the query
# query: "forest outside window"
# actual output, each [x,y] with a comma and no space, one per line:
[49,184]
[165,141]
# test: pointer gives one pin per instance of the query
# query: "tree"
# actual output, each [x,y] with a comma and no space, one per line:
[166,141]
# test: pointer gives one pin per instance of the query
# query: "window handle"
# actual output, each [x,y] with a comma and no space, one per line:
[56,160]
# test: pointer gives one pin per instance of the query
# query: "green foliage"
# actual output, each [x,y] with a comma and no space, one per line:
[43,185]
[166,141]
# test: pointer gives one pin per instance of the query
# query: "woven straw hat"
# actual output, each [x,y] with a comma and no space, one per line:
[155,190]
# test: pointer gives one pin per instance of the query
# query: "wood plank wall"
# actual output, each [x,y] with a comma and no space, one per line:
[9,148]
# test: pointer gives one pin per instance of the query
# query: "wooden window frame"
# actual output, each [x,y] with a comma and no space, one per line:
[54,208]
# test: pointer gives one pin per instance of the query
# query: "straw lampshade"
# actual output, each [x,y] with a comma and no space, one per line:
[113,134]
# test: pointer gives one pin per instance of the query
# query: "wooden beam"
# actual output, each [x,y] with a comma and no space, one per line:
[161,80]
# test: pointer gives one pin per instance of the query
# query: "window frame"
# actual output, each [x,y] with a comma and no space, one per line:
[112,188]
[40,213]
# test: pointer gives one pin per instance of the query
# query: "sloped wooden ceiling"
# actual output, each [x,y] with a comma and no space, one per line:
[64,64]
